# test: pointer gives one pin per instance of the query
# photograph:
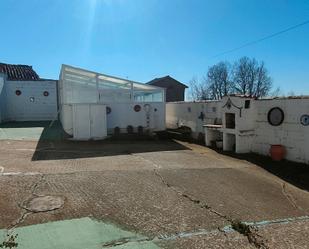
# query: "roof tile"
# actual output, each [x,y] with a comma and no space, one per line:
[18,72]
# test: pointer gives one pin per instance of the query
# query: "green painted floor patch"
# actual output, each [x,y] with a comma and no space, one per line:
[33,133]
[84,233]
[136,245]
[45,130]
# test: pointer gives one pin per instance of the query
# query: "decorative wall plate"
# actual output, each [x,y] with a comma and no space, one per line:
[275,116]
[137,108]
[304,119]
[147,108]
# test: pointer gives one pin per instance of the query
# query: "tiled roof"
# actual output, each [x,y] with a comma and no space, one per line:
[18,72]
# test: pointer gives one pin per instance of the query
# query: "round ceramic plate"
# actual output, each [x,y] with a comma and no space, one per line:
[304,119]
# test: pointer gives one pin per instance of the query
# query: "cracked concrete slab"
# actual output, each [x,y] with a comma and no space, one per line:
[14,190]
[150,187]
[135,199]
[288,235]
[215,240]
[238,194]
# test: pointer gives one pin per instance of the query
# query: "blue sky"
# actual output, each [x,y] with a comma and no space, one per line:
[144,39]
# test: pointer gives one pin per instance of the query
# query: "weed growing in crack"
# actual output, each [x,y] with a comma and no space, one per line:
[10,242]
[241,227]
[250,232]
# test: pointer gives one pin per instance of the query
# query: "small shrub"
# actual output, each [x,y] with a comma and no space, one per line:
[10,242]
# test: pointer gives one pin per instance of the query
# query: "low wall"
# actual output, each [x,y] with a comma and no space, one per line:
[122,115]
[253,132]
[2,97]
[189,114]
[35,101]
[291,133]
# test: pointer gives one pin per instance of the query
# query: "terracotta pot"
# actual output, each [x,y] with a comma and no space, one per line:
[277,152]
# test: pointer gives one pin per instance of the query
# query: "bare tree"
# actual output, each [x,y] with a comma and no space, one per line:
[218,80]
[251,78]
[276,93]
[291,94]
[198,90]
[247,77]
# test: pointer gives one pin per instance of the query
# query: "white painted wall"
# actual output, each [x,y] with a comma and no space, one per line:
[2,96]
[245,118]
[244,123]
[20,108]
[89,121]
[252,133]
[291,133]
[187,114]
[122,115]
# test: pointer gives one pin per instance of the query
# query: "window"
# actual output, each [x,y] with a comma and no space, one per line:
[230,120]
[247,104]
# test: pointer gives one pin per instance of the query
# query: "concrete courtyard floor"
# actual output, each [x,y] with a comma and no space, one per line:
[145,194]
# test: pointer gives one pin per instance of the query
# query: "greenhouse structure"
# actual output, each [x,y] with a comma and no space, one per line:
[94,105]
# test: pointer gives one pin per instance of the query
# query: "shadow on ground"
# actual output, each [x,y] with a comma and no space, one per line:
[54,144]
[292,172]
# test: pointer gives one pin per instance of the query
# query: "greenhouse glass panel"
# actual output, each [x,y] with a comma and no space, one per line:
[148,96]
[82,86]
[106,96]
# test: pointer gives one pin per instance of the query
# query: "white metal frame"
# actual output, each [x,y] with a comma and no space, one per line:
[94,78]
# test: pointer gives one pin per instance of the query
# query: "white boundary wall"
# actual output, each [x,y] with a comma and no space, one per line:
[122,115]
[291,133]
[252,131]
[31,104]
[2,97]
[189,114]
